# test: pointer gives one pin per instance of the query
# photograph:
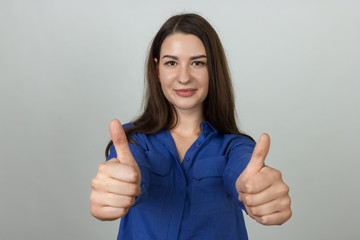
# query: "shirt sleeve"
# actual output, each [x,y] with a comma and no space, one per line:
[141,160]
[239,155]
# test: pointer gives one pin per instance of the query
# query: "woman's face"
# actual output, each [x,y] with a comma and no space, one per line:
[182,70]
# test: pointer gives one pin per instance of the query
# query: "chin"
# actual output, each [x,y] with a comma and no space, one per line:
[187,107]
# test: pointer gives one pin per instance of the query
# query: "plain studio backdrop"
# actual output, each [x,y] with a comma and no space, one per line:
[68,67]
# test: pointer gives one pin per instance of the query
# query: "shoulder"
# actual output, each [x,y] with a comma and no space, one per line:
[228,138]
[127,125]
[239,143]
[138,140]
[241,139]
[227,141]
[237,139]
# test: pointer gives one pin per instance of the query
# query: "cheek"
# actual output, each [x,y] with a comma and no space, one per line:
[204,78]
[166,78]
[165,86]
[167,74]
[206,84]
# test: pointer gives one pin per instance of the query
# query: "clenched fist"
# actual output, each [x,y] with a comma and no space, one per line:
[117,183]
[262,190]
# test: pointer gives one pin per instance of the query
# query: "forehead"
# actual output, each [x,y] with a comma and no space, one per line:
[181,44]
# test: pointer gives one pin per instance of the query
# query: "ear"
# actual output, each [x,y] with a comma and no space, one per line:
[157,66]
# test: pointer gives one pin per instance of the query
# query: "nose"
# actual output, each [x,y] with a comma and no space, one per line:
[184,74]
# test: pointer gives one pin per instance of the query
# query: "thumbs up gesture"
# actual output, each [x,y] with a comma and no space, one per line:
[117,182]
[262,190]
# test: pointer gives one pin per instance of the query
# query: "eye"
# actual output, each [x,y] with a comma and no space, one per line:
[198,63]
[170,63]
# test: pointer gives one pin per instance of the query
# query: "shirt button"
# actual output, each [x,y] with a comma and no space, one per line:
[197,145]
[187,158]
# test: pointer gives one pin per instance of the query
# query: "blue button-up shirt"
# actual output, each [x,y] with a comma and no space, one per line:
[195,199]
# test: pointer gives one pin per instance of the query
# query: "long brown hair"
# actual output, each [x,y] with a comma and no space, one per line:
[219,106]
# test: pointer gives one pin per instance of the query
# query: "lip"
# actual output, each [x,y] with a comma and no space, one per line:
[185,92]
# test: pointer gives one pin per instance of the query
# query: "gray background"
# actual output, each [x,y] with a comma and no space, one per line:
[68,67]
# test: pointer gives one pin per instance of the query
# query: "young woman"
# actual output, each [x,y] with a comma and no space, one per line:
[187,171]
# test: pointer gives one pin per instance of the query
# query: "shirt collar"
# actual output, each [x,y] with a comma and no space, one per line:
[206,126]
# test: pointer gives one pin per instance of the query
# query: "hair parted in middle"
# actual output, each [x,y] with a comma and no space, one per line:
[219,105]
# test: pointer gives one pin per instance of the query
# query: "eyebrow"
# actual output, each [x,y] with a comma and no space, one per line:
[176,58]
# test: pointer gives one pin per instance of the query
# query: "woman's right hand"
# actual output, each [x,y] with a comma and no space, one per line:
[117,183]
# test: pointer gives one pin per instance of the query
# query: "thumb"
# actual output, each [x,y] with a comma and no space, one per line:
[256,163]
[120,142]
[258,157]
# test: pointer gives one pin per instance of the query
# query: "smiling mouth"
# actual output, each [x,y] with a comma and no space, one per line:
[186,92]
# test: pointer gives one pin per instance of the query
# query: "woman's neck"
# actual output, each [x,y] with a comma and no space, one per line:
[189,123]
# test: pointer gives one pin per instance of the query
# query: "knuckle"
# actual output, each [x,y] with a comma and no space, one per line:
[284,190]
[130,201]
[277,174]
[134,176]
[287,203]
[125,201]
[286,216]
[263,220]
[250,213]
[138,190]
[255,211]
[123,211]
[248,186]
[248,200]
[288,199]
[94,183]
[133,189]
[102,167]
[94,211]
[289,214]
[92,198]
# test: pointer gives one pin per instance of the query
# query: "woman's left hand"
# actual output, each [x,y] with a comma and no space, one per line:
[262,190]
